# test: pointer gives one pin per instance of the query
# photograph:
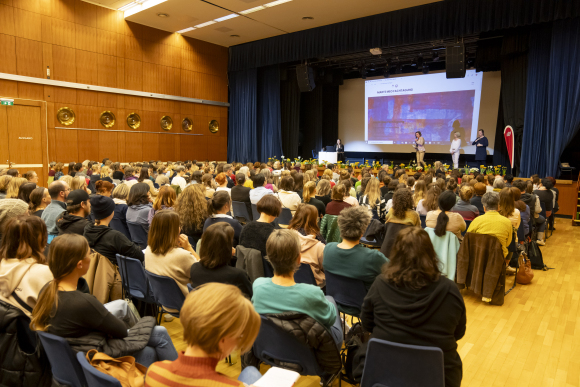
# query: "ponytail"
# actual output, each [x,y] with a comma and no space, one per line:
[41,313]
[447,200]
[442,221]
[217,202]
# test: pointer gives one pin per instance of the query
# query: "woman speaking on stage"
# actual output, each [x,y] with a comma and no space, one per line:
[339,150]
[419,146]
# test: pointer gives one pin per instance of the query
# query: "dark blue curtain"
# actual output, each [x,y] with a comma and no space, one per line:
[269,122]
[242,127]
[439,20]
[290,111]
[553,98]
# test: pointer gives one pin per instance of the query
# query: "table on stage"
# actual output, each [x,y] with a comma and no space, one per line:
[331,157]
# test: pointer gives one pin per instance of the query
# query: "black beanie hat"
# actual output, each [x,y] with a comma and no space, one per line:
[102,206]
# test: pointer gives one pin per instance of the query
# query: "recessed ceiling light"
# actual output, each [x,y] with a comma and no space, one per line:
[185,30]
[275,3]
[234,36]
[127,6]
[233,15]
[141,6]
[307,18]
[162,15]
[209,23]
[258,8]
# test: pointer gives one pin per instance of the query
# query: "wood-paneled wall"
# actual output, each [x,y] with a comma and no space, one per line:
[84,43]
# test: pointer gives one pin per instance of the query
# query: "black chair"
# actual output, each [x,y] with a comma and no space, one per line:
[395,365]
[423,220]
[467,223]
[135,282]
[241,212]
[255,212]
[95,377]
[285,217]
[65,367]
[304,275]
[348,293]
[167,294]
[138,234]
[543,213]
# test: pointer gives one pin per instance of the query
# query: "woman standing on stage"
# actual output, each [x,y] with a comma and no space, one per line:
[419,148]
[481,150]
[339,150]
[455,148]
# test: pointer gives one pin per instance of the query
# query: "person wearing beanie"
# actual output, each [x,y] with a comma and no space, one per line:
[74,219]
[11,208]
[58,191]
[104,239]
[480,189]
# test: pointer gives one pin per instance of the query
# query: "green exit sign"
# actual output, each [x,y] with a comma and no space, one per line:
[7,102]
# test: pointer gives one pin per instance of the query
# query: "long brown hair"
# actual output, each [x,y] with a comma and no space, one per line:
[420,191]
[520,205]
[413,263]
[216,245]
[65,252]
[306,217]
[166,197]
[164,232]
[402,202]
[431,201]
[373,193]
[24,237]
[506,202]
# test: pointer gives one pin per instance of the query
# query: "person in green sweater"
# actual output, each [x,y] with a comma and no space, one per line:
[281,293]
[349,258]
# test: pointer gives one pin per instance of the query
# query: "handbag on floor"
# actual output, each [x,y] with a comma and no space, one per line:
[525,273]
[128,372]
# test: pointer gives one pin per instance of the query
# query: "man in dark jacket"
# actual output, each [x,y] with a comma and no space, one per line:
[105,240]
[74,219]
[241,193]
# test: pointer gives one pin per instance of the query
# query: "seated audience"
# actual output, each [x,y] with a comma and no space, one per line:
[74,219]
[492,222]
[308,197]
[479,189]
[104,239]
[64,311]
[305,223]
[179,179]
[298,183]
[489,180]
[255,233]
[522,208]
[444,219]
[95,176]
[222,183]
[208,185]
[165,200]
[412,303]
[139,205]
[79,182]
[373,201]
[168,252]
[286,194]
[281,293]
[191,206]
[498,184]
[39,200]
[218,208]
[430,202]
[215,254]
[13,172]
[385,185]
[13,187]
[323,192]
[337,204]
[25,190]
[239,193]
[259,190]
[391,188]
[31,177]
[507,207]
[420,192]
[216,320]
[349,192]
[130,177]
[23,269]
[119,221]
[104,188]
[58,191]
[349,258]
[4,180]
[464,207]
[402,211]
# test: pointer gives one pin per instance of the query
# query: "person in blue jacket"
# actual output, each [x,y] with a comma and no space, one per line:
[481,150]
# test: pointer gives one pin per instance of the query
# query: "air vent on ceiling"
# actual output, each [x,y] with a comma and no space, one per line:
[224,29]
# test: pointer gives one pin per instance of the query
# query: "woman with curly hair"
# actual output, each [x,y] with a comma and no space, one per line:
[191,206]
[402,210]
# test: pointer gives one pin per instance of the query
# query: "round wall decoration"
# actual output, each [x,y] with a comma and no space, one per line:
[133,120]
[166,123]
[66,116]
[214,126]
[107,119]
[186,124]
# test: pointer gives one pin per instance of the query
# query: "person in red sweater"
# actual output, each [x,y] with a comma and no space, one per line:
[216,320]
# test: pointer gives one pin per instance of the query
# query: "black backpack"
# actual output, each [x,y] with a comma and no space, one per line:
[353,348]
[535,256]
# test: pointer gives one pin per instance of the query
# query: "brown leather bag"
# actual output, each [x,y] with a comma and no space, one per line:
[124,369]
[525,273]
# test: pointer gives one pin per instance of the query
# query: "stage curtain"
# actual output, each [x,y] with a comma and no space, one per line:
[242,128]
[552,115]
[268,114]
[311,121]
[329,114]
[439,20]
[290,112]
[514,73]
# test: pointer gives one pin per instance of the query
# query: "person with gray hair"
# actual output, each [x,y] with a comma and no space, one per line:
[492,222]
[498,184]
[349,258]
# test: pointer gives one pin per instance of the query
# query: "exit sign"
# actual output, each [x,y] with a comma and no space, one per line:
[7,102]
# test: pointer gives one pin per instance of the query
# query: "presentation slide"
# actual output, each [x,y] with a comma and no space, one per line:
[396,108]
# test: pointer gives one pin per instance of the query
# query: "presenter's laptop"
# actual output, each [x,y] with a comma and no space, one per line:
[331,148]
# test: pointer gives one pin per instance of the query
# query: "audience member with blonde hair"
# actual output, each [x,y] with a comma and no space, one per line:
[208,185]
[14,186]
[463,207]
[323,191]
[309,197]
[165,200]
[4,180]
[119,221]
[430,202]
[420,191]
[373,200]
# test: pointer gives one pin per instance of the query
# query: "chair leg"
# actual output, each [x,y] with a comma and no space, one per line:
[514,285]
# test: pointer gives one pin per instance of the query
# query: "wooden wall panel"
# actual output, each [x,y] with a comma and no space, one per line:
[121,146]
[151,146]
[67,149]
[6,20]
[88,144]
[108,145]
[29,58]
[166,148]
[30,91]
[8,54]
[27,24]
[106,70]
[133,146]
[217,148]
[86,67]
[64,62]
[8,88]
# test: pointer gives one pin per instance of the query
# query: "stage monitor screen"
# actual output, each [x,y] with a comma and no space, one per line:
[396,108]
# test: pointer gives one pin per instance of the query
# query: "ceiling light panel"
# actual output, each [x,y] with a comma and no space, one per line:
[186,30]
[142,7]
[209,23]
[275,3]
[233,15]
[127,6]
[251,10]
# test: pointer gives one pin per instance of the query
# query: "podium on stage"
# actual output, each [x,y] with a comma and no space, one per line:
[331,157]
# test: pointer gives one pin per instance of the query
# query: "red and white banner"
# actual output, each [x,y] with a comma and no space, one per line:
[508,135]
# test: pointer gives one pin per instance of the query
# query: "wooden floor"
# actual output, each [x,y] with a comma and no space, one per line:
[532,340]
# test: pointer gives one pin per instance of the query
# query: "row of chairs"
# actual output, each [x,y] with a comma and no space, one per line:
[242,214]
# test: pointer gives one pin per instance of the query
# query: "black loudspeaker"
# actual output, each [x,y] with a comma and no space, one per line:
[455,61]
[305,76]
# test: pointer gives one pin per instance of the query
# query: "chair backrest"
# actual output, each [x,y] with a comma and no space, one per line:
[521,233]
[402,360]
[285,217]
[423,220]
[94,377]
[345,291]
[241,211]
[166,291]
[304,275]
[118,225]
[543,212]
[268,268]
[138,234]
[467,223]
[135,281]
[274,345]
[255,212]
[65,367]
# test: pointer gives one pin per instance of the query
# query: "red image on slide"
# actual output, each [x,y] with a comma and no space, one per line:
[436,115]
